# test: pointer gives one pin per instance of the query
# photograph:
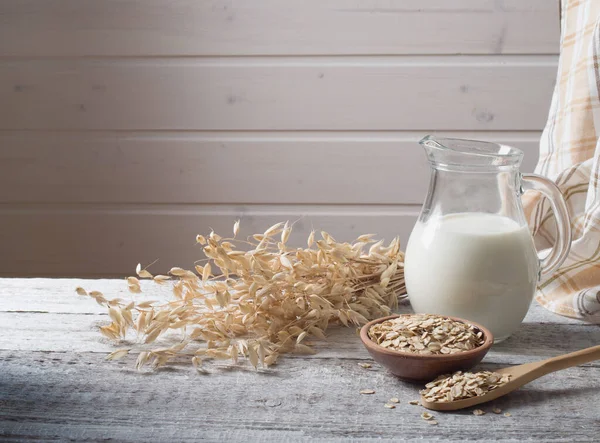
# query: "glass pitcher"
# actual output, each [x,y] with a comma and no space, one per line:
[471,254]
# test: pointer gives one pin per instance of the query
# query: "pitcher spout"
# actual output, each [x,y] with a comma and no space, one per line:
[470,154]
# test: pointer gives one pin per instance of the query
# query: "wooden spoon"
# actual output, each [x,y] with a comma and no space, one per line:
[520,375]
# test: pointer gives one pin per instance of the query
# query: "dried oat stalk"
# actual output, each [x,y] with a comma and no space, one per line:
[264,302]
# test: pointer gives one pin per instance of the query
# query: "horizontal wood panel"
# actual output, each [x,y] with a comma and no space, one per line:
[45,332]
[40,311]
[73,396]
[274,27]
[347,168]
[109,241]
[31,295]
[446,93]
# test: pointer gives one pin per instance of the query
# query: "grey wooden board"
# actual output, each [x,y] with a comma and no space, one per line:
[80,396]
[465,93]
[56,385]
[68,28]
[55,295]
[370,168]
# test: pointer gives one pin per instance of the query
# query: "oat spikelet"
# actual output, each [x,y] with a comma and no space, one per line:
[119,353]
[264,300]
[142,273]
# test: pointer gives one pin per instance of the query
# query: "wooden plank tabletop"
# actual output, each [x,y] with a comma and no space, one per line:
[56,385]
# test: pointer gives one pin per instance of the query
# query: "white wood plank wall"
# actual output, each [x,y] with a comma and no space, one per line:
[128,126]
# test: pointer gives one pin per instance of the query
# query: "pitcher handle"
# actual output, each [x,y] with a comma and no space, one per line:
[561,248]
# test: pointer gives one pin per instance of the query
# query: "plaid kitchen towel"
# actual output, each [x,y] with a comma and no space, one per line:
[570,155]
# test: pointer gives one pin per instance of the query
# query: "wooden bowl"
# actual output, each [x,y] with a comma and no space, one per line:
[418,368]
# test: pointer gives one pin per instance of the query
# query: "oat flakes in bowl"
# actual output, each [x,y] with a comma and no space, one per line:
[464,344]
[426,334]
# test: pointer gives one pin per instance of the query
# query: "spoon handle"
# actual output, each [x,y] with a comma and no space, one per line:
[573,359]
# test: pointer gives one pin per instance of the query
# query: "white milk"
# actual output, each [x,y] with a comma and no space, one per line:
[481,267]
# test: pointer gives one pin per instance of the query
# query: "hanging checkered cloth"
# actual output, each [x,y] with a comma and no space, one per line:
[570,155]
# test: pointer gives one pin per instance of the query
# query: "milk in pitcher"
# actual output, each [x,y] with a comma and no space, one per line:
[478,266]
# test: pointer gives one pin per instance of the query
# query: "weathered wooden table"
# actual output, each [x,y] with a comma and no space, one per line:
[55,384]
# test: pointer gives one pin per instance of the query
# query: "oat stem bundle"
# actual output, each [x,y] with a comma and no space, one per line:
[263,302]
